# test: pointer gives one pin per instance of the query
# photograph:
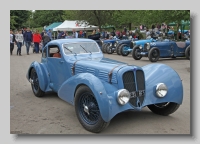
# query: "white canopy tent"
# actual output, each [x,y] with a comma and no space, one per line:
[76,25]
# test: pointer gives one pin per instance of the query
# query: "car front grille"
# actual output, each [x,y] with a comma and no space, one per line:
[145,47]
[132,45]
[134,82]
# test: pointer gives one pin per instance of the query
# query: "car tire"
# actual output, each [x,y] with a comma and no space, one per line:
[109,49]
[187,52]
[164,109]
[121,49]
[35,84]
[154,54]
[117,49]
[134,55]
[87,110]
[104,47]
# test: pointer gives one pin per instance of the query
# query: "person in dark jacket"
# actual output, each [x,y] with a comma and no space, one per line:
[28,39]
[45,39]
[12,41]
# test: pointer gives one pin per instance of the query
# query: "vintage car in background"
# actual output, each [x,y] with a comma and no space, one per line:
[100,88]
[118,44]
[125,49]
[162,49]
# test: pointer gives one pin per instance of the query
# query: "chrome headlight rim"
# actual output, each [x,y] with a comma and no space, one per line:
[110,44]
[115,44]
[123,96]
[161,90]
[140,46]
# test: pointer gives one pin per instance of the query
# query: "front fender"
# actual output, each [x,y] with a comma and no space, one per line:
[161,73]
[103,92]
[43,82]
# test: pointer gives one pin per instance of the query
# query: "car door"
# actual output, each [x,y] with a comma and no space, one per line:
[56,66]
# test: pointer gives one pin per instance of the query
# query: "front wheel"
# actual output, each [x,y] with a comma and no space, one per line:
[118,50]
[136,53]
[109,49]
[154,54]
[104,47]
[35,84]
[124,49]
[164,109]
[187,53]
[87,110]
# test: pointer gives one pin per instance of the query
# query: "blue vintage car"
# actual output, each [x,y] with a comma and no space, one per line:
[100,88]
[119,43]
[107,43]
[162,49]
[125,49]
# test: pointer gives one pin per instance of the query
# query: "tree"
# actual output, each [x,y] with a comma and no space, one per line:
[46,17]
[18,17]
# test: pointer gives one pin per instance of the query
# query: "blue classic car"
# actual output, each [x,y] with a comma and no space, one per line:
[108,43]
[162,49]
[125,49]
[100,88]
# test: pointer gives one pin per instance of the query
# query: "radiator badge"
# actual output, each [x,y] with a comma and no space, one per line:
[135,94]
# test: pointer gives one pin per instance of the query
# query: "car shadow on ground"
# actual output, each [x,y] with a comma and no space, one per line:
[136,120]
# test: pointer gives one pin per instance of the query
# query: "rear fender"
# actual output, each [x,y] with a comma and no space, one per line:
[42,75]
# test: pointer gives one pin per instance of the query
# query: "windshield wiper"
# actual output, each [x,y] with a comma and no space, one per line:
[69,50]
[85,49]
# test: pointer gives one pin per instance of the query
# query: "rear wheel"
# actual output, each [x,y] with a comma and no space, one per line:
[87,110]
[154,54]
[187,52]
[136,53]
[124,49]
[35,84]
[164,109]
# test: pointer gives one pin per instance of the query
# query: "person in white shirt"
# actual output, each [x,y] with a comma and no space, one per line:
[19,39]
[75,34]
[148,36]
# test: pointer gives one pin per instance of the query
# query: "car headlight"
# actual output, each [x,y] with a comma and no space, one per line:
[116,41]
[115,44]
[140,47]
[110,44]
[161,90]
[123,96]
[148,46]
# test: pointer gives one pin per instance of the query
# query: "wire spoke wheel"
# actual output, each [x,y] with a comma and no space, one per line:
[89,109]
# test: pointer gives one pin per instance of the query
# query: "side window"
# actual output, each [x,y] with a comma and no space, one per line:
[44,53]
[54,51]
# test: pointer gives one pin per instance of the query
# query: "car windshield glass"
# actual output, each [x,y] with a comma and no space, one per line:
[80,47]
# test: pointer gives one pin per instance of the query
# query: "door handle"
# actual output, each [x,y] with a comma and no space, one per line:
[61,61]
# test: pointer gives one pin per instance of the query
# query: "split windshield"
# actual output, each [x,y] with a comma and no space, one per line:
[80,47]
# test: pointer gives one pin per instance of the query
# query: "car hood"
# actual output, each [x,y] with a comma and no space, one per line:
[100,67]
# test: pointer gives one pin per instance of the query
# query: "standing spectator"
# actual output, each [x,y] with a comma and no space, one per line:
[74,34]
[49,34]
[42,33]
[125,29]
[64,34]
[148,36]
[80,33]
[124,33]
[45,39]
[37,39]
[59,34]
[19,41]
[28,39]
[24,42]
[85,33]
[12,41]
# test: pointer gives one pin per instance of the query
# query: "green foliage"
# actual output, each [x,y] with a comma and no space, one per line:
[18,17]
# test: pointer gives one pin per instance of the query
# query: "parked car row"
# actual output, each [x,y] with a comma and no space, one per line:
[152,48]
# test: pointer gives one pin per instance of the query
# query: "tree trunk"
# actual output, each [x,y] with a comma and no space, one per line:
[177,31]
[129,26]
